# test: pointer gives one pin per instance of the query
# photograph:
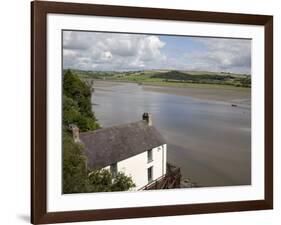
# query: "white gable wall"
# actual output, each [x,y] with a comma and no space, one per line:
[137,166]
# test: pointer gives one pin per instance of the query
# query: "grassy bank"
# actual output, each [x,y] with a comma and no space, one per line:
[172,78]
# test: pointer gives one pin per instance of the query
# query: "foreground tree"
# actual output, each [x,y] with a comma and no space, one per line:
[77,110]
[77,107]
[75,174]
[74,166]
[103,181]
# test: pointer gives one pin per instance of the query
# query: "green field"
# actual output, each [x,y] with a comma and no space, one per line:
[173,78]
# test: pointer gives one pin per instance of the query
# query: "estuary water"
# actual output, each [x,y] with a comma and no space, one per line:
[209,140]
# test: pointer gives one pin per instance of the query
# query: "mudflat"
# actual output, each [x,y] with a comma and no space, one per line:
[241,96]
[231,95]
[206,137]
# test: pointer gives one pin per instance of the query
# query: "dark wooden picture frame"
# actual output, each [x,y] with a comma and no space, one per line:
[39,11]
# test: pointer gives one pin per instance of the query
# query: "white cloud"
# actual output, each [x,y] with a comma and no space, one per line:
[232,55]
[107,51]
[116,51]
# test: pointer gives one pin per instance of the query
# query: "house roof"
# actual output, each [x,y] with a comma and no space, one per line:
[110,145]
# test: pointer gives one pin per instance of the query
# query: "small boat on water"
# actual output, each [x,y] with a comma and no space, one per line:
[233,105]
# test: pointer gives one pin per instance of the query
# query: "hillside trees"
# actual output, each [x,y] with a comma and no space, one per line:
[74,166]
[77,109]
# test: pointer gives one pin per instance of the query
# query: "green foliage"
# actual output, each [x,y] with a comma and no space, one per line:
[94,74]
[75,88]
[102,181]
[77,107]
[177,75]
[244,81]
[70,110]
[172,77]
[122,182]
[74,167]
[205,78]
[75,178]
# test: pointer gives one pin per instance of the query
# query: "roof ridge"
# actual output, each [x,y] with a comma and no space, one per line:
[114,126]
[113,144]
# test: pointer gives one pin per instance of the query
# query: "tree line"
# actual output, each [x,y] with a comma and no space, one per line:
[177,76]
[77,109]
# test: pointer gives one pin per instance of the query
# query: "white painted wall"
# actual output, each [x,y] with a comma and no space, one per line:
[136,166]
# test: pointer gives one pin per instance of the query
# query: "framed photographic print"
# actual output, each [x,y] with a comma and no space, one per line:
[143,112]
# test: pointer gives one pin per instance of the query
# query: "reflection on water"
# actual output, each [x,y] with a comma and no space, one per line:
[210,141]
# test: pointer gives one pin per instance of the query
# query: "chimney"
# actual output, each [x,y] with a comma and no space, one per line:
[147,117]
[75,133]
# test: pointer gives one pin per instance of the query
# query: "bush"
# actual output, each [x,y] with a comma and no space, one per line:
[77,109]
[122,183]
[74,166]
[103,181]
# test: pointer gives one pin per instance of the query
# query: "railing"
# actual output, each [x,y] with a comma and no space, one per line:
[170,180]
[153,183]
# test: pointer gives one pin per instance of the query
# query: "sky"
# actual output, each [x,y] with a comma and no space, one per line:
[100,51]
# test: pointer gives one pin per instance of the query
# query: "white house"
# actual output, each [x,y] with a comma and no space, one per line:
[137,149]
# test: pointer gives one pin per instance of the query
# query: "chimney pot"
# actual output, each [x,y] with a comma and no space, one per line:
[147,117]
[75,133]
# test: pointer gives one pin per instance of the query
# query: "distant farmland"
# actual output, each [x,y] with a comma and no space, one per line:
[172,77]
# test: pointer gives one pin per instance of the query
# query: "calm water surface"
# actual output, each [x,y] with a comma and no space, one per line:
[210,141]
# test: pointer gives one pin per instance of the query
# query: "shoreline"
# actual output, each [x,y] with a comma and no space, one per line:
[227,95]
[193,144]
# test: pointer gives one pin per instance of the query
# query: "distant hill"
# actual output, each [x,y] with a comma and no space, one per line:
[170,77]
[205,78]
